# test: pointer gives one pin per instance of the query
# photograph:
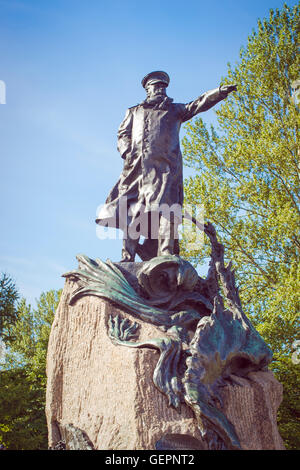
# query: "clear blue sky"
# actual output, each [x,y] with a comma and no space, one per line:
[71,69]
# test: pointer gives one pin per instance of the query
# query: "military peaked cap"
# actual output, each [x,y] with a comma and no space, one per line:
[154,77]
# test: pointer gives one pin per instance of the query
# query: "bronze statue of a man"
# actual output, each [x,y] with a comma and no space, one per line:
[151,180]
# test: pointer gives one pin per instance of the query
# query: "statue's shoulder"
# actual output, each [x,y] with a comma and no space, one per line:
[179,105]
[179,109]
[130,111]
[132,108]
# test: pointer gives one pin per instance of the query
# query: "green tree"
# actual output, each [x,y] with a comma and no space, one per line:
[247,177]
[8,298]
[23,380]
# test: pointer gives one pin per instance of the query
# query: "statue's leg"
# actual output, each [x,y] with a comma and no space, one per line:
[167,237]
[129,249]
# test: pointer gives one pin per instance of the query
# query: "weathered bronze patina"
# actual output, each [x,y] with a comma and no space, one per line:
[203,343]
[206,339]
[151,181]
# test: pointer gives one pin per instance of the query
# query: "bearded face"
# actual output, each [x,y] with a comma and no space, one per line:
[156,91]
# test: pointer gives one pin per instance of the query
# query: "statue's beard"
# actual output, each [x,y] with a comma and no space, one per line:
[159,101]
[155,99]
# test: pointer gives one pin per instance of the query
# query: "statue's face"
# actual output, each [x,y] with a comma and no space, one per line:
[156,89]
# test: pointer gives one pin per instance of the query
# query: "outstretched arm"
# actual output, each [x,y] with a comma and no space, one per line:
[206,101]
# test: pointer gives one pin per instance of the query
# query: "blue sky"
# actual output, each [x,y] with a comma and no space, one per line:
[71,68]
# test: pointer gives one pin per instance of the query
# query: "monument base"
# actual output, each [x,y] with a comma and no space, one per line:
[102,396]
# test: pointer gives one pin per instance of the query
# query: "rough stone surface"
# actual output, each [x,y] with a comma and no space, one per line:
[251,405]
[106,392]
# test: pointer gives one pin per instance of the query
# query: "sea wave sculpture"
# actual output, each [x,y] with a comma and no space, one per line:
[203,344]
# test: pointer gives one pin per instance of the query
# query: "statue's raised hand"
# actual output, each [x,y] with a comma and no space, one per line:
[226,89]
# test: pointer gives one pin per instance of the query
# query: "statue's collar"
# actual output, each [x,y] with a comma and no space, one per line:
[157,104]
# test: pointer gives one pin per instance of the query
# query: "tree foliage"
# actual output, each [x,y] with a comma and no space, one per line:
[23,380]
[8,299]
[247,177]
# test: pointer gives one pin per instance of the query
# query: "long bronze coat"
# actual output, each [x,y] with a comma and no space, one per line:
[148,140]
